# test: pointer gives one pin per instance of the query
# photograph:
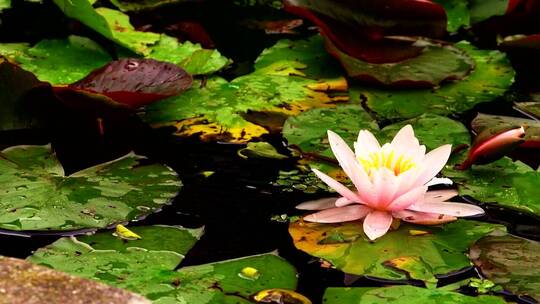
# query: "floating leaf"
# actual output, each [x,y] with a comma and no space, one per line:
[127,5]
[491,77]
[510,184]
[369,23]
[530,108]
[457,12]
[437,63]
[280,296]
[110,23]
[398,254]
[36,195]
[217,109]
[132,82]
[58,61]
[509,261]
[402,295]
[308,131]
[493,124]
[260,150]
[15,84]
[148,266]
[189,56]
[23,283]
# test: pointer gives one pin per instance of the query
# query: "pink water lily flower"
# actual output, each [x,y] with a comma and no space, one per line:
[391,182]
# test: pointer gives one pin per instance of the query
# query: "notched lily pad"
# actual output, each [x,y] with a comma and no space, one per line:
[397,255]
[402,295]
[25,283]
[491,77]
[148,266]
[36,195]
[509,261]
[131,82]
[504,182]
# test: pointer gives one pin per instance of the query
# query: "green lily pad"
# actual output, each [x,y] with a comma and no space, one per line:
[260,150]
[402,295]
[399,254]
[215,109]
[110,23]
[498,123]
[308,131]
[431,130]
[511,262]
[148,266]
[36,195]
[457,12]
[530,108]
[127,5]
[504,182]
[189,56]
[434,65]
[4,4]
[58,61]
[491,77]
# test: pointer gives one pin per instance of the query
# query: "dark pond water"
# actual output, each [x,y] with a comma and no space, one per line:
[236,203]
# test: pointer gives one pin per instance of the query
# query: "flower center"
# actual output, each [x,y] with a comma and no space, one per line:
[387,159]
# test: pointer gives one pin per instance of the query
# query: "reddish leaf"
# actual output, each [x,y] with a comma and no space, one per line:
[531,42]
[359,27]
[192,31]
[274,26]
[129,82]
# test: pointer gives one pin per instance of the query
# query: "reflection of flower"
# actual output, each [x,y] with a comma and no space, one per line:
[391,181]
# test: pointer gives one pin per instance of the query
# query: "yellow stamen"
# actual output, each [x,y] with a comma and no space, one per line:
[387,159]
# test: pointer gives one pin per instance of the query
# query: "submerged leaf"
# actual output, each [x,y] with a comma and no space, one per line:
[36,195]
[148,266]
[509,261]
[132,82]
[402,295]
[398,254]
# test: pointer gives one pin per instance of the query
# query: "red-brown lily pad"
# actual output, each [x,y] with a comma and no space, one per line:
[359,28]
[130,82]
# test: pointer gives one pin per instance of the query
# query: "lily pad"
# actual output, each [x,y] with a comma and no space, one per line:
[530,108]
[110,23]
[25,283]
[216,109]
[437,63]
[127,5]
[511,262]
[148,266]
[132,82]
[36,195]
[58,61]
[398,255]
[497,123]
[189,56]
[491,77]
[402,295]
[431,130]
[15,84]
[504,182]
[457,12]
[308,131]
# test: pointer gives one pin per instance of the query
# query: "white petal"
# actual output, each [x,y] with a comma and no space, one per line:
[436,196]
[332,183]
[319,204]
[385,185]
[439,181]
[433,164]
[448,208]
[338,215]
[416,195]
[423,218]
[342,201]
[366,143]
[405,142]
[376,224]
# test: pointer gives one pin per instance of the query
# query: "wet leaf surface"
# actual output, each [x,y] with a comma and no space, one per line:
[509,261]
[397,255]
[134,82]
[58,61]
[402,295]
[504,182]
[36,194]
[457,12]
[491,77]
[148,266]
[437,63]
[25,283]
